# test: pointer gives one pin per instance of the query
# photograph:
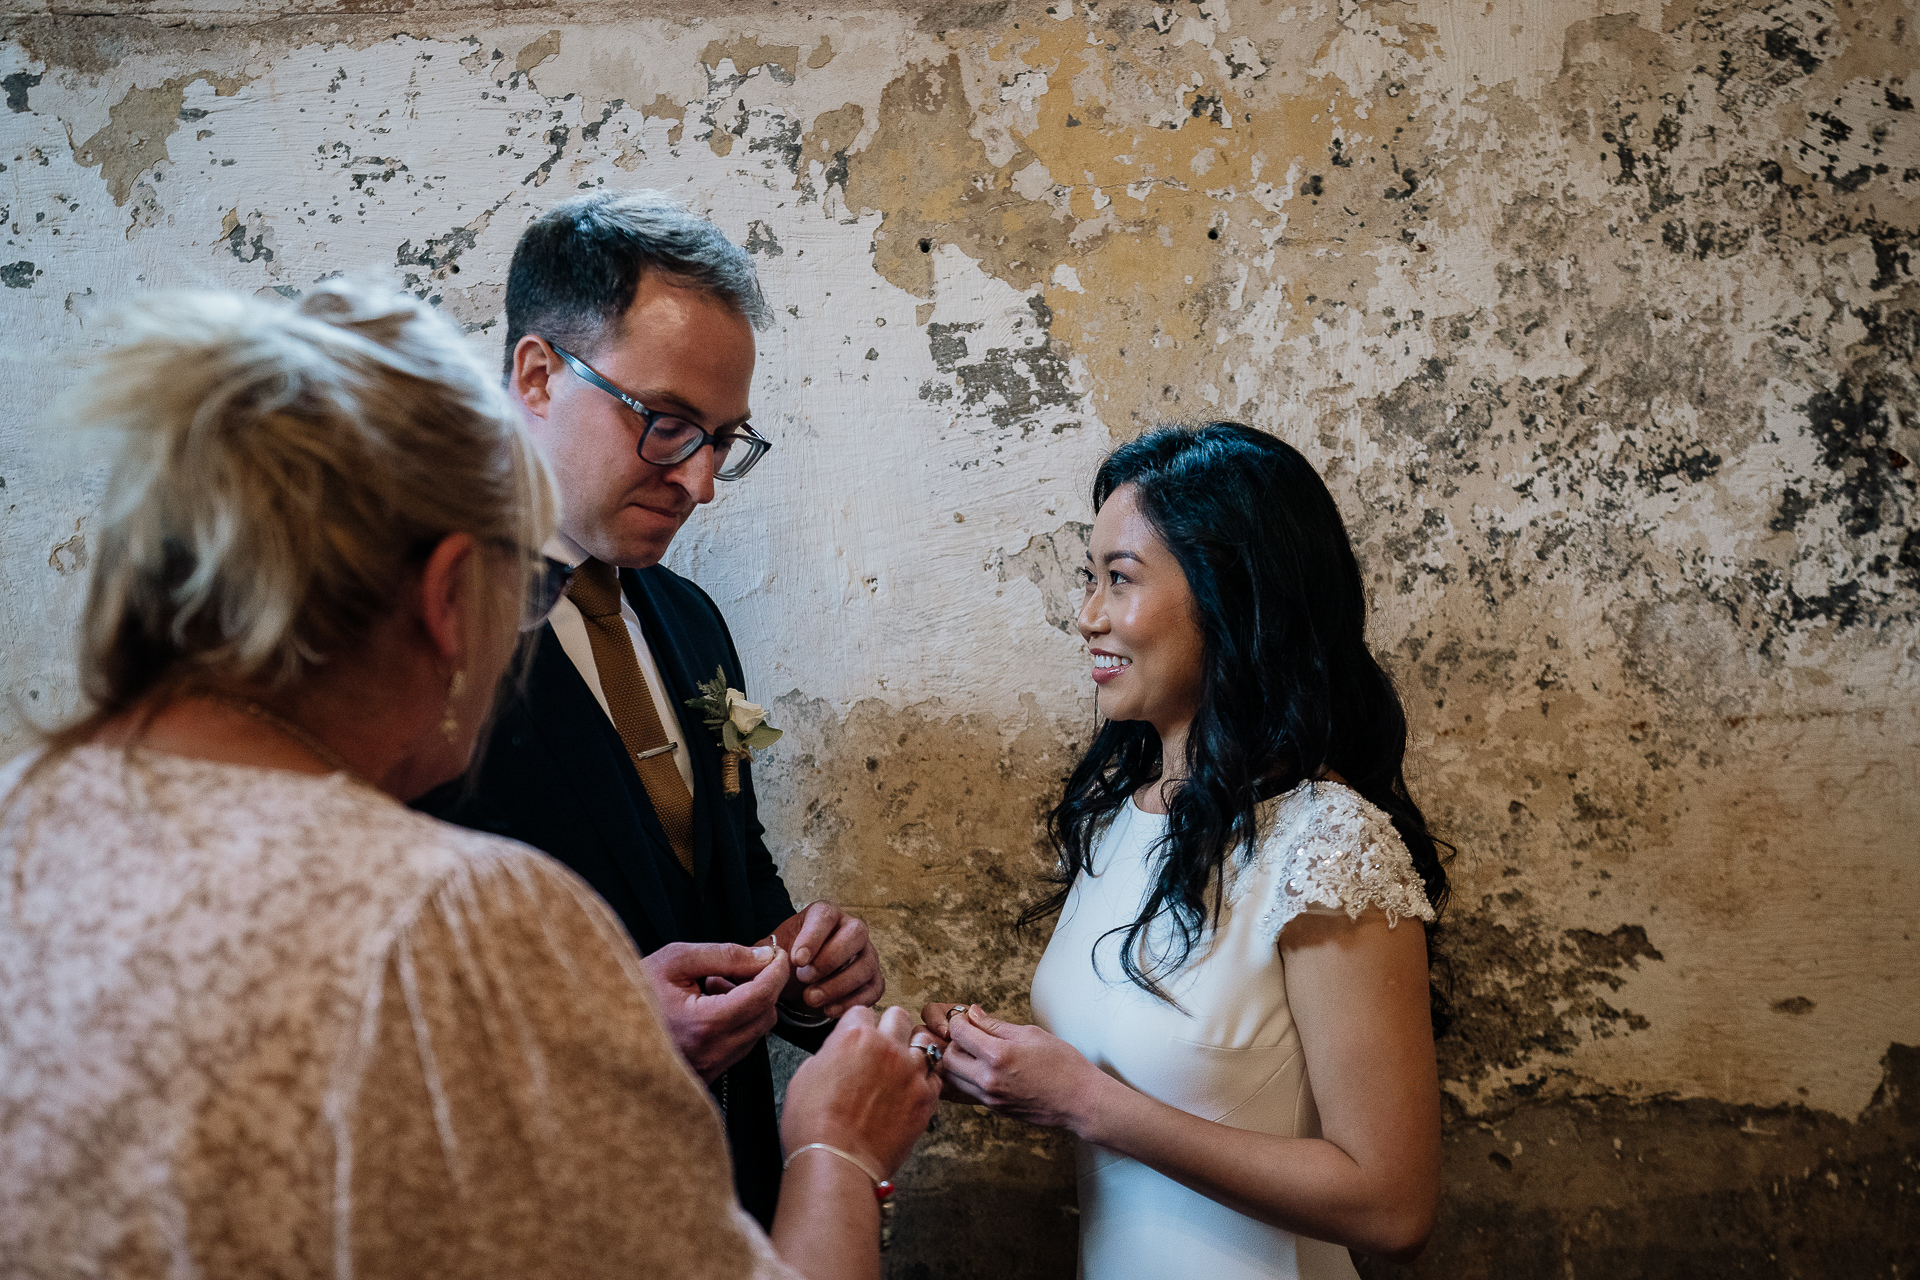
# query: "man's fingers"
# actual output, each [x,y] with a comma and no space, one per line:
[870,993]
[768,983]
[685,963]
[837,989]
[748,1006]
[847,944]
[817,924]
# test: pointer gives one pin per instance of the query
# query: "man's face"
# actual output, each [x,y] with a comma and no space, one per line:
[677,350]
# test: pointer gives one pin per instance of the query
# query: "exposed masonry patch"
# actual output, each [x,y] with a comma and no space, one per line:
[1010,386]
[69,555]
[438,259]
[761,240]
[1672,1189]
[1522,996]
[134,139]
[930,820]
[1054,562]
[16,86]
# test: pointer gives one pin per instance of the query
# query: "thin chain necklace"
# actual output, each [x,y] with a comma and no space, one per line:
[273,719]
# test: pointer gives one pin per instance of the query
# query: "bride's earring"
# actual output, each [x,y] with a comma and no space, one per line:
[450,724]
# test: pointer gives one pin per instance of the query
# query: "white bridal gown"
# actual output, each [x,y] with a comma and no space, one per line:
[1234,1056]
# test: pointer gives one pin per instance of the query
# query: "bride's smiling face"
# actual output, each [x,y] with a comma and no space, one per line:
[1138,621]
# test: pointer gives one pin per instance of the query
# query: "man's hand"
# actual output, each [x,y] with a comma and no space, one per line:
[835,967]
[713,1032]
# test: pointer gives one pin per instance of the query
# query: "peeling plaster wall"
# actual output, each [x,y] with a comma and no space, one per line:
[1600,321]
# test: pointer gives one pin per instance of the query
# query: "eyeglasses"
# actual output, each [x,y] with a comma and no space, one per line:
[544,592]
[544,588]
[667,440]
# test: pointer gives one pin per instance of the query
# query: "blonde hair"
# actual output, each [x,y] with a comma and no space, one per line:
[282,471]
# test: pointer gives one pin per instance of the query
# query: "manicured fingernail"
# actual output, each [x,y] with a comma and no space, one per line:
[763,954]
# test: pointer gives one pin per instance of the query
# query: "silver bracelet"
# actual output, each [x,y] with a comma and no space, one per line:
[848,1156]
[882,1189]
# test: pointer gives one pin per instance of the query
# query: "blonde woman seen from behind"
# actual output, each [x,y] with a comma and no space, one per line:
[257,1017]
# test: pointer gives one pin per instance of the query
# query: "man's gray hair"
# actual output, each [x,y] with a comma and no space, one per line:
[577,266]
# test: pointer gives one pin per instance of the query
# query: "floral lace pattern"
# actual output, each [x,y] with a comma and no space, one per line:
[1329,850]
[258,1023]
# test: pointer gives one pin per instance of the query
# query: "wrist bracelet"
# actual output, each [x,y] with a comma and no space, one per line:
[882,1189]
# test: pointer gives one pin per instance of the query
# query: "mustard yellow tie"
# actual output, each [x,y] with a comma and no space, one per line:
[595,590]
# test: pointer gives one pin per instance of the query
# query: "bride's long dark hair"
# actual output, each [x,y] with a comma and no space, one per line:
[1290,690]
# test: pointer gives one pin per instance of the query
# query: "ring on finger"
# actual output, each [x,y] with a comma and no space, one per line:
[955,1012]
[933,1053]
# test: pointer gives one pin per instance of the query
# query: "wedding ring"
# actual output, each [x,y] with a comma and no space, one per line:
[955,1012]
[933,1053]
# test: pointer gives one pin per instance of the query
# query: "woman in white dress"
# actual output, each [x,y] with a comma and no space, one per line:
[1233,1015]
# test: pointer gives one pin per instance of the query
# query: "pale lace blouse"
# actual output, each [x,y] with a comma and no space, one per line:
[255,1023]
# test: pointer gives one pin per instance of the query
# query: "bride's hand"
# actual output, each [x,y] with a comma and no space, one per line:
[1019,1071]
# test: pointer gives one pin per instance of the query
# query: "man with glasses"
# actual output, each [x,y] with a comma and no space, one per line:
[630,347]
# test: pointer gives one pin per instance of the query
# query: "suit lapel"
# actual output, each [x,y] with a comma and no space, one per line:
[573,727]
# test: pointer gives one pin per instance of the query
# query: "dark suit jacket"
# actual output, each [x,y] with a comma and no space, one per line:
[555,775]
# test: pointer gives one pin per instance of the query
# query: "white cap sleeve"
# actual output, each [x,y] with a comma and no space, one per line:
[1336,853]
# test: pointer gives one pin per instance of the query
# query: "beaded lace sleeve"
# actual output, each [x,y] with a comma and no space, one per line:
[1330,851]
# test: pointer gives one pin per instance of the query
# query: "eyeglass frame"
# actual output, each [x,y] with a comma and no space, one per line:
[758,446]
[546,592]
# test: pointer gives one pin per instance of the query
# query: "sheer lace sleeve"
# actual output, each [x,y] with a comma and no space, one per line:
[518,1108]
[1327,851]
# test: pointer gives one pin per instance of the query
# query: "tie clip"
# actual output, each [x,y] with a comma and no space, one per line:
[657,751]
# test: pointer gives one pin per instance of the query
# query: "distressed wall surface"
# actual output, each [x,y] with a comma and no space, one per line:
[1599,318]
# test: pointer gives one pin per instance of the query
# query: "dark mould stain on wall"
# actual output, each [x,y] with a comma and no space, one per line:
[1675,1189]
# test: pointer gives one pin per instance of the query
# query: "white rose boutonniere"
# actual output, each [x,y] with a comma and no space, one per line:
[739,727]
[746,716]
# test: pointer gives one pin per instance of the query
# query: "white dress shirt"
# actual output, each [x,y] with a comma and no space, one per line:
[571,629]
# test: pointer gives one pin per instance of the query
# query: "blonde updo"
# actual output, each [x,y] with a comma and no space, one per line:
[283,470]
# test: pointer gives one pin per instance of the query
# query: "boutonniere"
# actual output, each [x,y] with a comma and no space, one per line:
[739,727]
